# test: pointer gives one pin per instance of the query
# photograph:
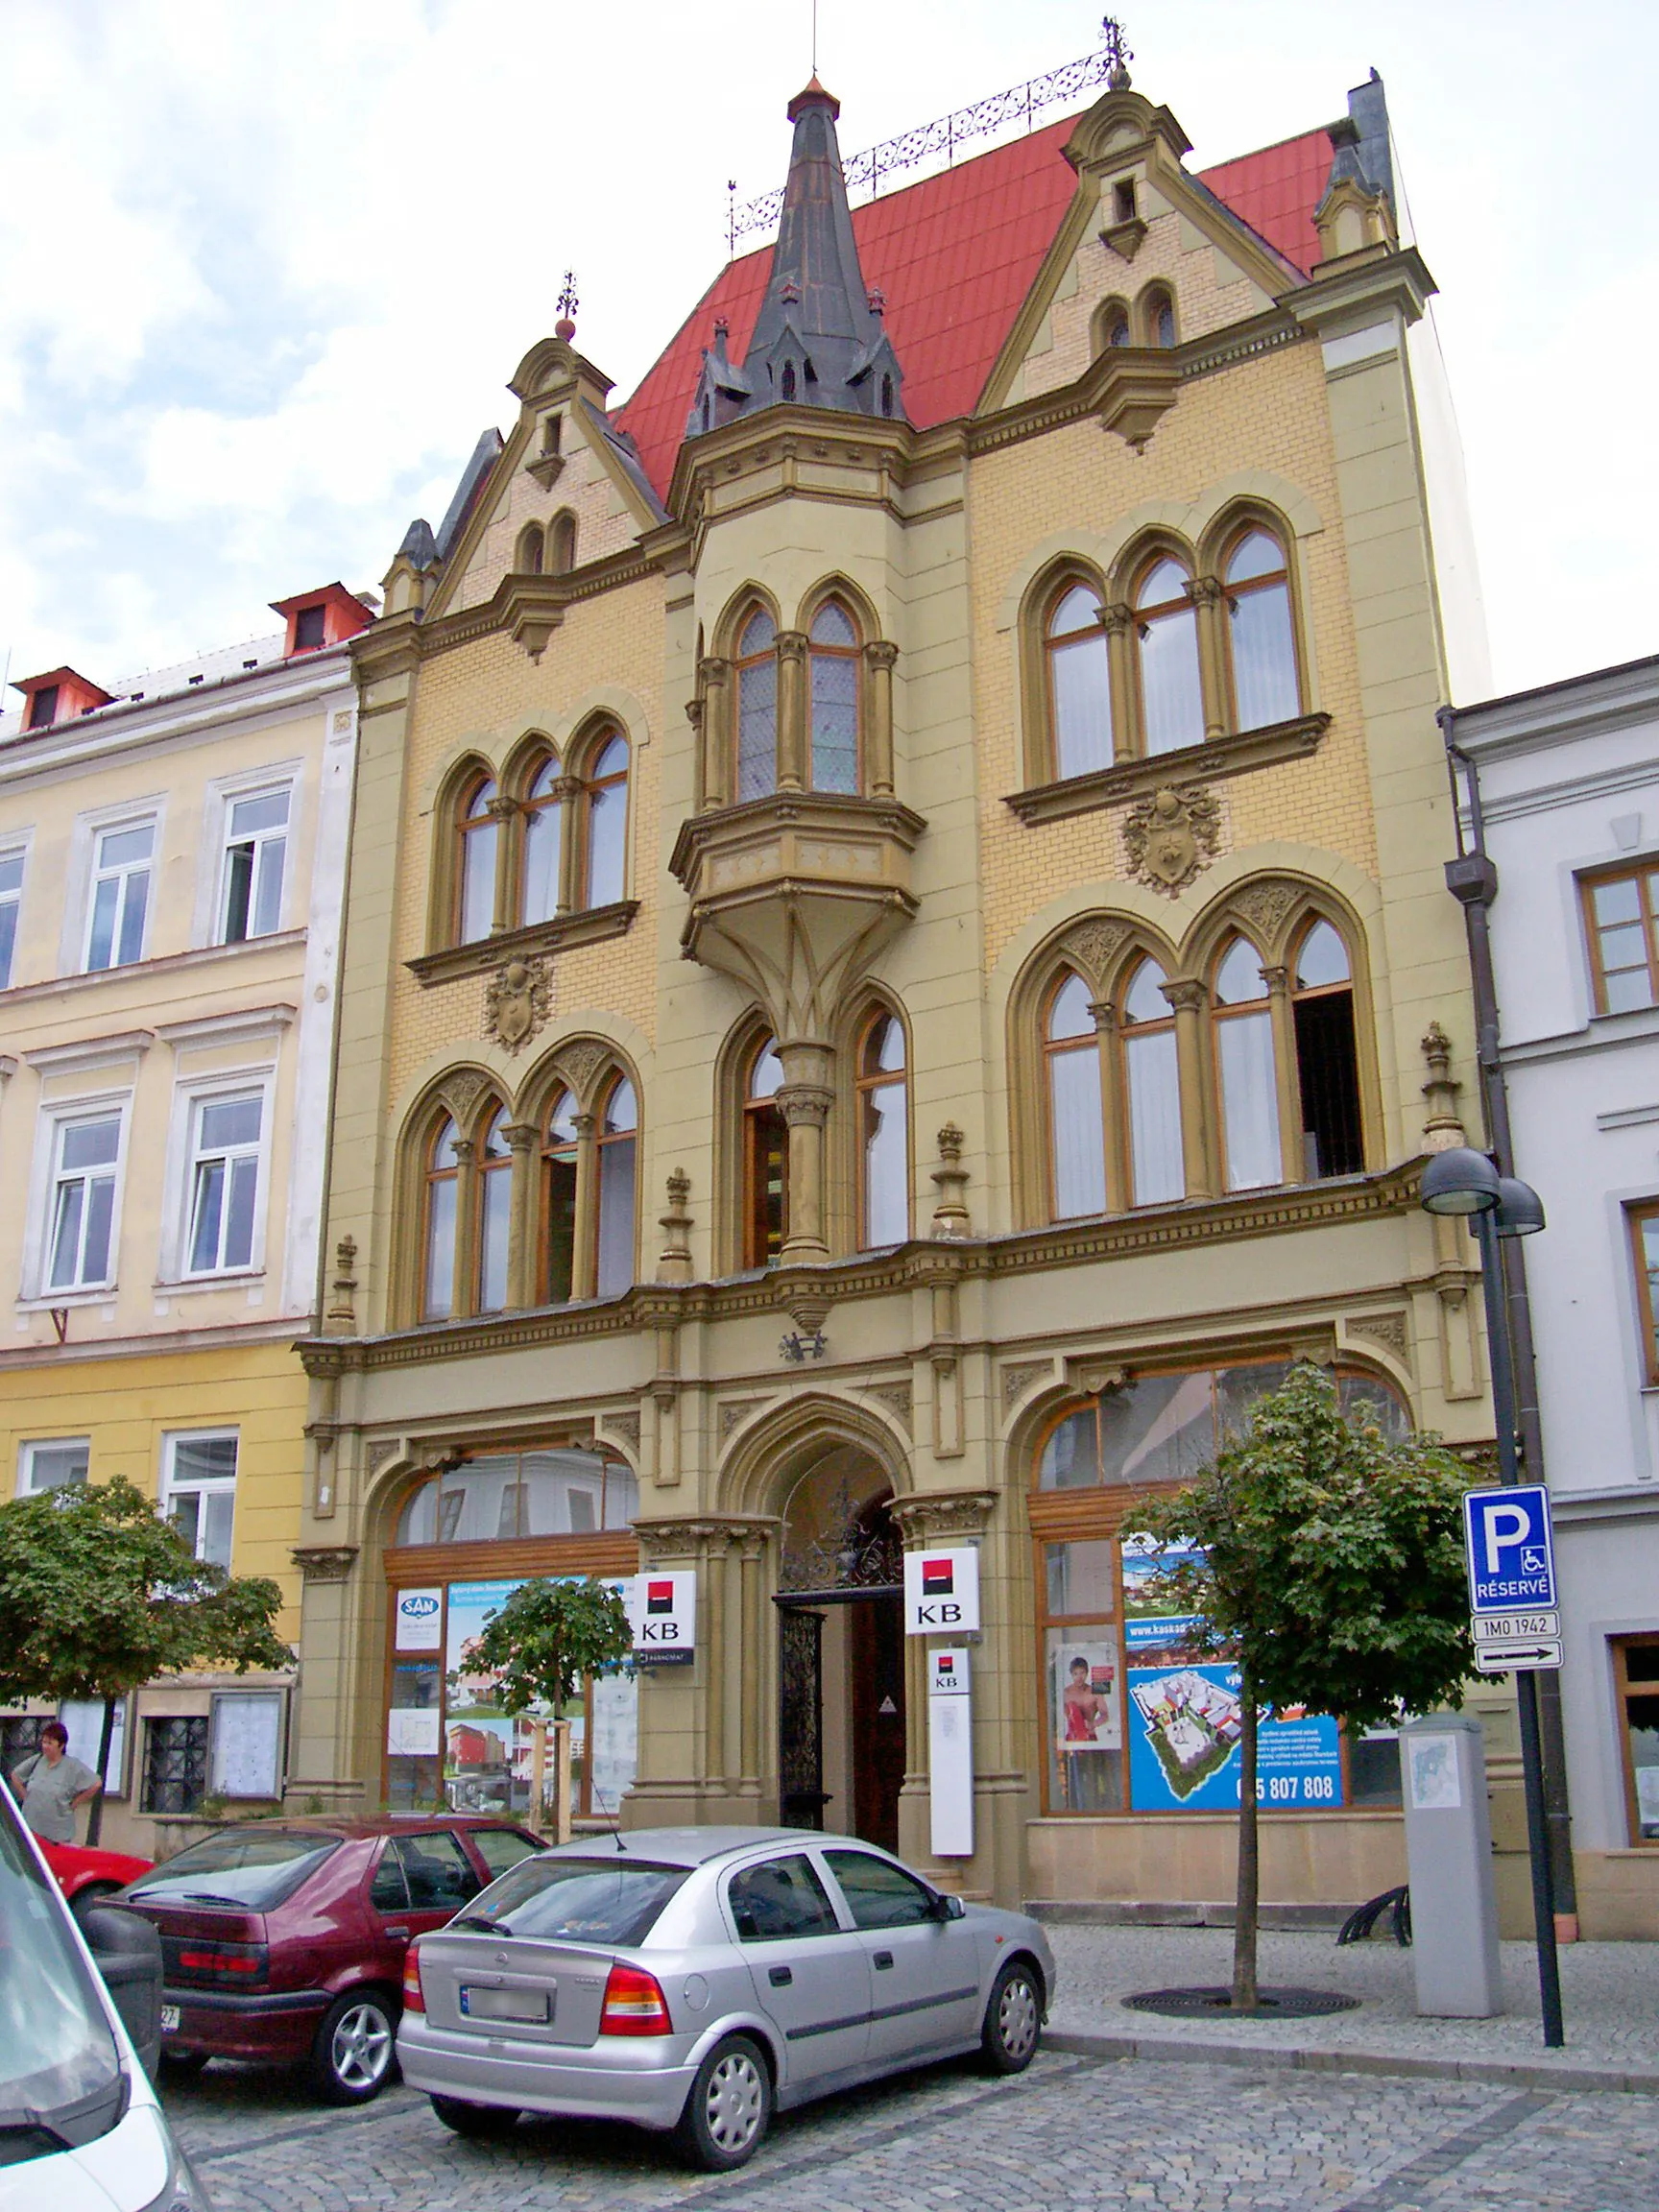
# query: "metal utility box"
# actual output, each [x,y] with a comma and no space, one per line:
[1449,1853]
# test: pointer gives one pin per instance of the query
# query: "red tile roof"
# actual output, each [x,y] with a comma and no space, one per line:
[957,255]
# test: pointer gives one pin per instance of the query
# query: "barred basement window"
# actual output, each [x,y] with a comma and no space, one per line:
[175,1765]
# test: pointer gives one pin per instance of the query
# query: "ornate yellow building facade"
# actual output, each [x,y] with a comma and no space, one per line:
[895,973]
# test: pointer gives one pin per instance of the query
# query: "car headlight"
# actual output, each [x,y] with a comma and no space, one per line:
[182,2190]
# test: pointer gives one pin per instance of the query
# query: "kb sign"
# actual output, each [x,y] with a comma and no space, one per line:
[942,1591]
[662,1610]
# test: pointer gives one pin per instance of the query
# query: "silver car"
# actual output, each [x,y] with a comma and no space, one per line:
[695,1980]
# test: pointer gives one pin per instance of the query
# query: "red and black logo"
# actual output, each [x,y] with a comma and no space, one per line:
[659,1596]
[945,1667]
[938,1579]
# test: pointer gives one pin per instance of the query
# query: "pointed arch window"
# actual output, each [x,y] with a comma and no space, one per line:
[443,1207]
[1327,1061]
[1079,683]
[494,1213]
[539,896]
[1151,1089]
[1077,1131]
[883,1135]
[1167,641]
[605,829]
[479,837]
[1260,638]
[765,1159]
[757,707]
[834,699]
[618,1126]
[1246,1069]
[560,1166]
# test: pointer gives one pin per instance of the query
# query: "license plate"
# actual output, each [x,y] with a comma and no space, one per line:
[525,2005]
[170,2019]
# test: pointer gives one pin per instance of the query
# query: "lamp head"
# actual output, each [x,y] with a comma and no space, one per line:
[1520,1209]
[1462,1181]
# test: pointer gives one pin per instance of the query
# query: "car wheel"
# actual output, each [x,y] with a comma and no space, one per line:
[353,2057]
[479,2120]
[183,2065]
[728,2111]
[94,1894]
[1013,2019]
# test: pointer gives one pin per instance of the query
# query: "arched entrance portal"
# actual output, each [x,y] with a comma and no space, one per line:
[841,1650]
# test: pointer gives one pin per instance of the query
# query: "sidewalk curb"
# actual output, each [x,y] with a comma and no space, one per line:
[1303,2058]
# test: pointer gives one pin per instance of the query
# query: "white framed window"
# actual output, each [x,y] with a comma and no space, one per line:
[10,901]
[226,1144]
[198,1489]
[254,866]
[52,1463]
[119,894]
[81,1229]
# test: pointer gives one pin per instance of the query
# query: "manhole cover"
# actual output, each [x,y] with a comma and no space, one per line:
[1272,2004]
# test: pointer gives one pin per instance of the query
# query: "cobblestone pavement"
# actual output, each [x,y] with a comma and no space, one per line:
[1137,2133]
[1610,1998]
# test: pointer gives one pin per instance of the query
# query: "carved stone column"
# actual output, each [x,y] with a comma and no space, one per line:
[950,1218]
[675,1264]
[714,728]
[523,1142]
[1207,597]
[1198,1148]
[502,812]
[341,1319]
[805,1101]
[879,656]
[585,1259]
[567,791]
[1113,1106]
[1119,622]
[794,739]
[1290,1145]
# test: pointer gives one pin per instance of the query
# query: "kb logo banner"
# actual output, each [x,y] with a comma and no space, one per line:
[663,1611]
[942,1591]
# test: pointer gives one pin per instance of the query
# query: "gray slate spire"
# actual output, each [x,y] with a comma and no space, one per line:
[818,340]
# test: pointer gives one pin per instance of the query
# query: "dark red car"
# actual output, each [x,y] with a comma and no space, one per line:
[87,1874]
[283,1940]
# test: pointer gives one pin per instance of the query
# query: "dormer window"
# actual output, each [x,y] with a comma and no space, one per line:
[310,628]
[787,381]
[43,708]
[552,430]
[1124,200]
[327,615]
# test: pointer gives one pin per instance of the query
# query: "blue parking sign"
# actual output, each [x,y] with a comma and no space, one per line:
[1511,1561]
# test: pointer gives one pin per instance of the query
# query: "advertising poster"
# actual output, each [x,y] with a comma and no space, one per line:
[1088,1722]
[1148,1624]
[478,1737]
[1184,1728]
[420,1618]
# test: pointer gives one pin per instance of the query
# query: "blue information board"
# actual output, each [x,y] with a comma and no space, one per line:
[1511,1559]
[1183,1725]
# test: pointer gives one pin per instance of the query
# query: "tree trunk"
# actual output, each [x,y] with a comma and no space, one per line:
[95,1811]
[1249,1855]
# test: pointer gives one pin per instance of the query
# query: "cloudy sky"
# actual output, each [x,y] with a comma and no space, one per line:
[264,271]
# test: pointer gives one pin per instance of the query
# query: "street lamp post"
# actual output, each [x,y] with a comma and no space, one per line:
[1465,1182]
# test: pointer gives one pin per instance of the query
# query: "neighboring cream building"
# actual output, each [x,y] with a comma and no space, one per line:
[1567,780]
[900,972]
[172,866]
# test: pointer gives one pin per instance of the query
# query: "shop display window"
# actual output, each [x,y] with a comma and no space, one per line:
[1636,1682]
[1141,1713]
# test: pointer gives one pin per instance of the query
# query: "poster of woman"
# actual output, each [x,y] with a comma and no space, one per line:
[1088,1723]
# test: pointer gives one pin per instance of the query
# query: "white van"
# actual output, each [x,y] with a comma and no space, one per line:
[81,2129]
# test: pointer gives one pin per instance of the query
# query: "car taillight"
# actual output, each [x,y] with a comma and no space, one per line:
[241,1965]
[634,2004]
[414,1997]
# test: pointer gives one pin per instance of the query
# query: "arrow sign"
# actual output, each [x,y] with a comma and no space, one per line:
[1516,1659]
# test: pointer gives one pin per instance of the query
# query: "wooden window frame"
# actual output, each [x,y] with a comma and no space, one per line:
[1299,995]
[865,1081]
[1052,1048]
[567,1149]
[741,662]
[1150,558]
[1639,873]
[1635,1217]
[1251,527]
[1624,1690]
[526,810]
[1050,644]
[465,824]
[754,1111]
[579,875]
[1121,1097]
[855,653]
[609,1086]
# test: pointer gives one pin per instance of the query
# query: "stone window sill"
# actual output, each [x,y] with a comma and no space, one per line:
[591,926]
[1234,755]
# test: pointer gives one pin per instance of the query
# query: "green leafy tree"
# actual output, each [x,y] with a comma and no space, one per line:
[99,1594]
[548,1637]
[1329,1571]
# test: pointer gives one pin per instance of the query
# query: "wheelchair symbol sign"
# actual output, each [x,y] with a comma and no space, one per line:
[1511,1556]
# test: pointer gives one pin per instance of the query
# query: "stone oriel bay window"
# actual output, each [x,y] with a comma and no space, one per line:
[809,709]
[532,1203]
[1186,654]
[1146,1071]
[1134,1716]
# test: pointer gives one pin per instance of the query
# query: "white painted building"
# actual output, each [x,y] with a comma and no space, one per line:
[1567,784]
